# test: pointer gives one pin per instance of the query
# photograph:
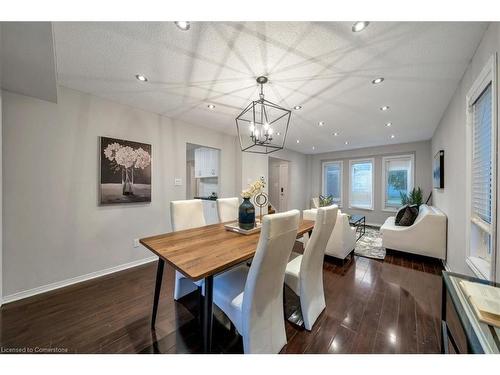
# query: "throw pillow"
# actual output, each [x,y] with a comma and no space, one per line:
[325,201]
[409,217]
[400,214]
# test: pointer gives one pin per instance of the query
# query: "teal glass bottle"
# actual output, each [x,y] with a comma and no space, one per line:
[246,215]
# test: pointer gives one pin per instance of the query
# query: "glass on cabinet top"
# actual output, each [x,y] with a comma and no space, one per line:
[483,337]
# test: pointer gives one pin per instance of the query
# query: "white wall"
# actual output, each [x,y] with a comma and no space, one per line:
[53,228]
[423,173]
[274,178]
[450,137]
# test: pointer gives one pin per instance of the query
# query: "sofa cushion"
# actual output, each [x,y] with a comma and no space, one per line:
[409,217]
[400,214]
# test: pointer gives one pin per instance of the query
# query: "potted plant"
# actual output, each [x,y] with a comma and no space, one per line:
[413,198]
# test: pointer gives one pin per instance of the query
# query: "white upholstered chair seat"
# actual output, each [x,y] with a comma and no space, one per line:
[292,273]
[252,298]
[229,288]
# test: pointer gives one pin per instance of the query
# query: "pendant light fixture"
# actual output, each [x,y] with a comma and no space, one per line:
[263,126]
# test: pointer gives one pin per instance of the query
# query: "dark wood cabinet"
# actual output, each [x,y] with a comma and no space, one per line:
[461,331]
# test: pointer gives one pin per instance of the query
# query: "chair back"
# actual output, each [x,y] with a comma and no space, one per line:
[312,295]
[227,208]
[186,214]
[311,268]
[262,309]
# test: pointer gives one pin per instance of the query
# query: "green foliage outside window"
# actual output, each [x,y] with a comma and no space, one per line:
[397,179]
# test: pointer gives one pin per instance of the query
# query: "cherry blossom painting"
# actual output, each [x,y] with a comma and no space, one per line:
[125,171]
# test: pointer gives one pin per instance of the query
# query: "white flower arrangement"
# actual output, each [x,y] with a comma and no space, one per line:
[143,159]
[126,156]
[110,151]
[254,189]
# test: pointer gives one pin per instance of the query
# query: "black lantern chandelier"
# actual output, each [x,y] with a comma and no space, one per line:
[263,125]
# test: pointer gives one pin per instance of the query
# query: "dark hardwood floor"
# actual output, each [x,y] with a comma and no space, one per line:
[390,306]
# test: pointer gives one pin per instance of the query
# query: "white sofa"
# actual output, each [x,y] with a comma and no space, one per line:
[343,237]
[427,235]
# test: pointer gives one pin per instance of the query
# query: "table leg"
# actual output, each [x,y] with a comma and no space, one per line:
[159,277]
[207,314]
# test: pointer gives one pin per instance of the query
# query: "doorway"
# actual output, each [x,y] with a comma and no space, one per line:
[202,178]
[279,184]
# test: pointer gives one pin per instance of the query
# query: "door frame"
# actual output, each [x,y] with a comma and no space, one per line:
[274,162]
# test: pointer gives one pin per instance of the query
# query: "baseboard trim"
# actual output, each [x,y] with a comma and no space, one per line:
[75,280]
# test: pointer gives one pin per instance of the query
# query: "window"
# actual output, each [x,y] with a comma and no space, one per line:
[481,176]
[361,184]
[397,179]
[332,180]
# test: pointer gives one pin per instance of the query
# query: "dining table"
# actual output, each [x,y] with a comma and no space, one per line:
[200,254]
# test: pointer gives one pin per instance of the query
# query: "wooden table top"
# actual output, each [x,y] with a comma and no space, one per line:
[205,251]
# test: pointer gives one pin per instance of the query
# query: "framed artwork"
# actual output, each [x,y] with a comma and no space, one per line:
[125,171]
[438,170]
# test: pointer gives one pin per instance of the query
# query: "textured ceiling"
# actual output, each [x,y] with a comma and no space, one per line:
[323,66]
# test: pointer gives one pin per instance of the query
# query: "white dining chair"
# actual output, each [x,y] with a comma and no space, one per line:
[304,272]
[227,208]
[186,214]
[252,297]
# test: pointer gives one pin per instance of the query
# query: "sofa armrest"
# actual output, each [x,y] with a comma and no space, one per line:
[426,236]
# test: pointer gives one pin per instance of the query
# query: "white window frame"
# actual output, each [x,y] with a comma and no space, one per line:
[341,178]
[488,75]
[356,161]
[411,183]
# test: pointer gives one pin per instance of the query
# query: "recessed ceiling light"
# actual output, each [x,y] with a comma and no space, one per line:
[346,142]
[384,108]
[359,26]
[297,107]
[183,25]
[278,133]
[321,123]
[298,140]
[378,80]
[388,124]
[210,106]
[336,134]
[393,136]
[314,148]
[141,77]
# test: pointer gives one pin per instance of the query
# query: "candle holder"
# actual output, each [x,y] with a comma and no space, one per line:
[260,200]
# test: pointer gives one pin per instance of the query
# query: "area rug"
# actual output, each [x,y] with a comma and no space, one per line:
[370,245]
